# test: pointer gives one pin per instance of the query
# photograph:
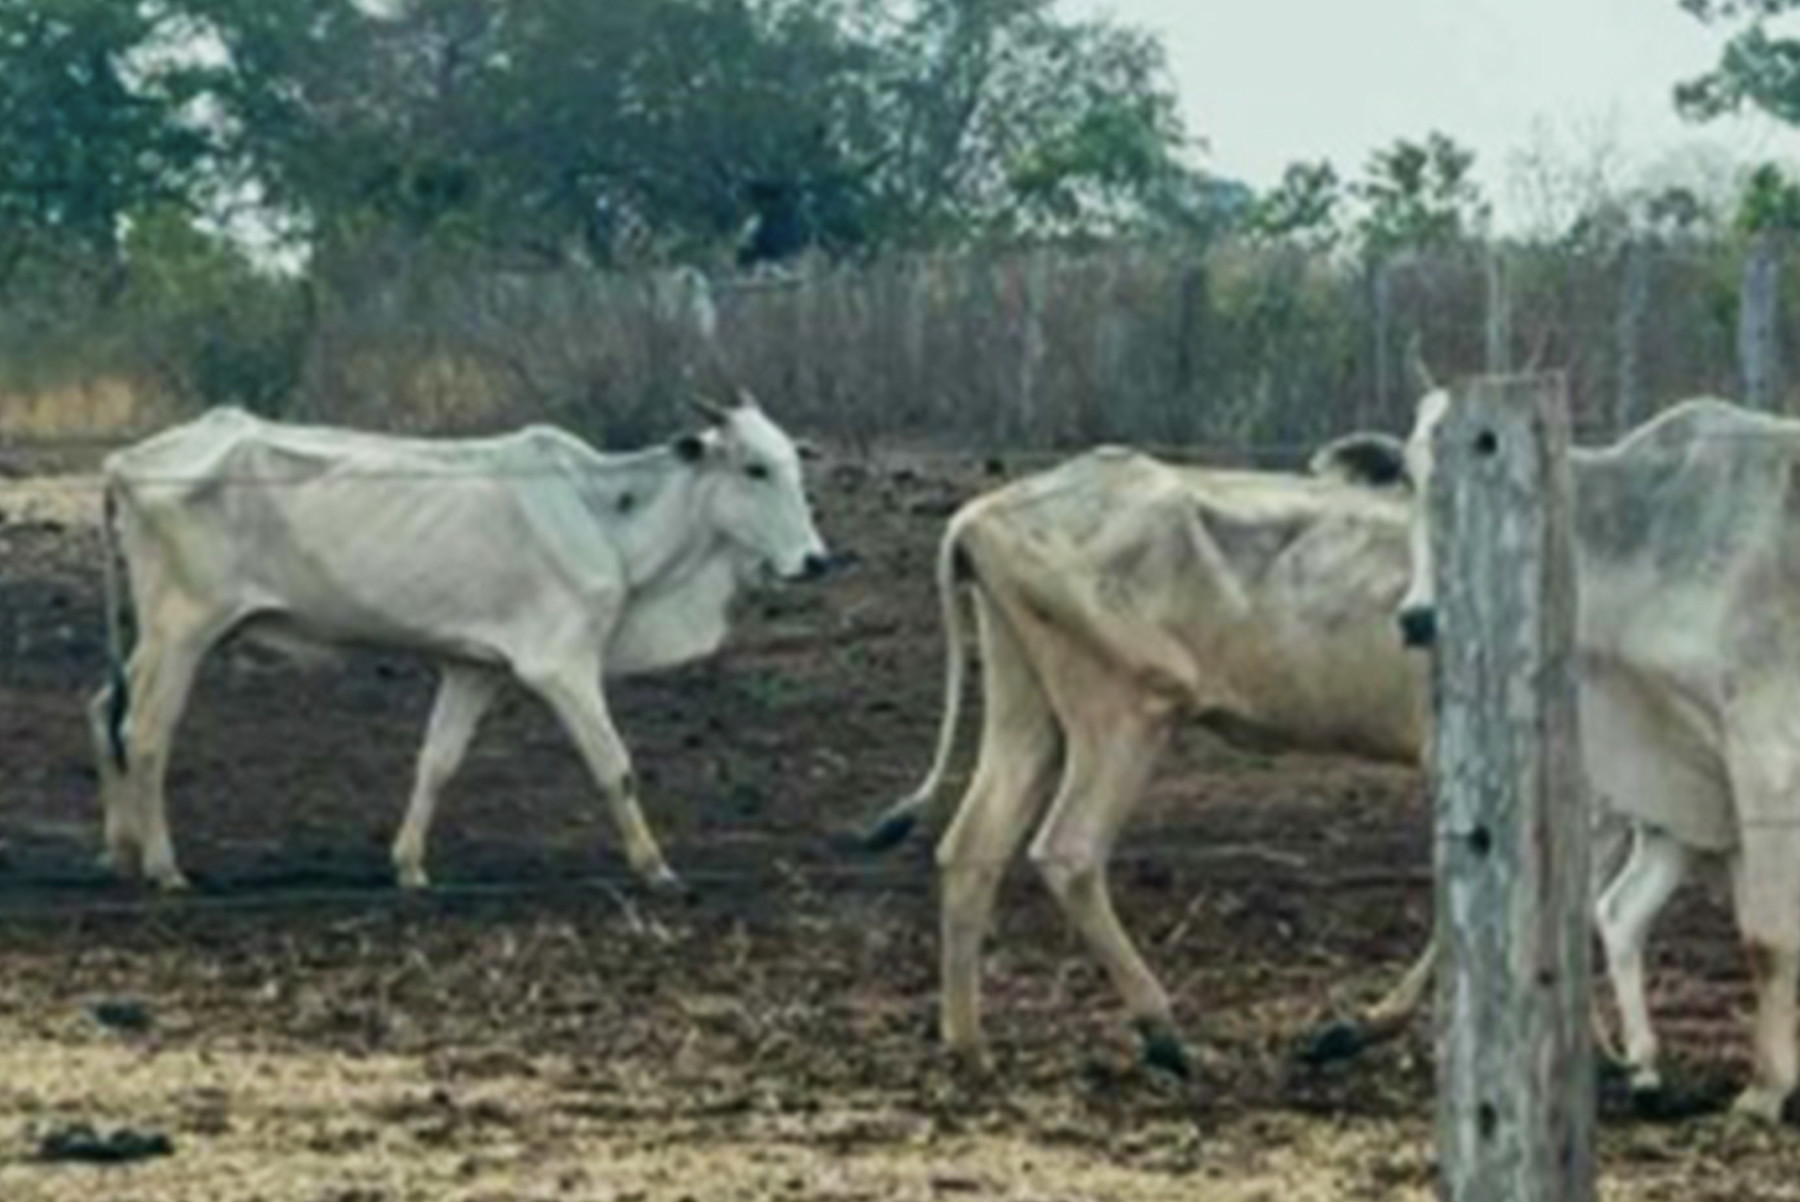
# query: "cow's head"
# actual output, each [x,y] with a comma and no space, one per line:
[1367,459]
[1418,608]
[756,497]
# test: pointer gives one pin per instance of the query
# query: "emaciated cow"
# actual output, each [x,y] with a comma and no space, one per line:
[1687,548]
[1115,595]
[527,556]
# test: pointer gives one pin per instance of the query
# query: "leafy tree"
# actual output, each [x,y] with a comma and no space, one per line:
[94,125]
[1676,211]
[1417,195]
[208,324]
[568,128]
[1769,202]
[1305,206]
[1007,117]
[1757,67]
[696,118]
[344,118]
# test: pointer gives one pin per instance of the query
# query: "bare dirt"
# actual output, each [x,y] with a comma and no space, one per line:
[538,1029]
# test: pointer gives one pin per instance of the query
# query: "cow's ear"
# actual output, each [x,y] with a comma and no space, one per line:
[690,448]
[1374,460]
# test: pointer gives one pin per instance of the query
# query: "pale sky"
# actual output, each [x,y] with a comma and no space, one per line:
[1267,82]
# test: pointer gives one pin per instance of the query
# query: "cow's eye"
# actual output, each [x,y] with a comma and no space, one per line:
[757,471]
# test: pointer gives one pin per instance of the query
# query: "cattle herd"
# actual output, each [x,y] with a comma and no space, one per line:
[1111,597]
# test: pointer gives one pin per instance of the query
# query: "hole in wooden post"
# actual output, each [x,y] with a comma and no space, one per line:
[1480,841]
[1486,443]
[1486,1120]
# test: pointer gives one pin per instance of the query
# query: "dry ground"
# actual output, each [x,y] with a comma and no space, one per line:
[530,1033]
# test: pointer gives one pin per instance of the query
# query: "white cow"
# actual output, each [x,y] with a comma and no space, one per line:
[529,556]
[1687,536]
[1115,595]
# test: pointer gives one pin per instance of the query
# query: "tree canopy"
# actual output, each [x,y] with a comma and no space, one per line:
[1758,66]
[568,130]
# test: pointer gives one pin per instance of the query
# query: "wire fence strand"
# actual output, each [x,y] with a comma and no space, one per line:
[1221,455]
[60,896]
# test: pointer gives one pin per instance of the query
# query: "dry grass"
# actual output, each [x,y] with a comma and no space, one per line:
[69,501]
[280,1126]
[285,1127]
[98,406]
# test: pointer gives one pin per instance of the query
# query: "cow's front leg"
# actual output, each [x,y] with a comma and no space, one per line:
[573,694]
[1768,904]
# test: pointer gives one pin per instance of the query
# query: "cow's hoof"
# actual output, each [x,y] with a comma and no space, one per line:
[1611,1070]
[664,883]
[168,880]
[971,1063]
[412,878]
[121,861]
[1333,1042]
[1759,1105]
[889,832]
[1161,1048]
[1655,1104]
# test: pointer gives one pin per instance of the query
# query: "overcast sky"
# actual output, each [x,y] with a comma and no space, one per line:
[1267,82]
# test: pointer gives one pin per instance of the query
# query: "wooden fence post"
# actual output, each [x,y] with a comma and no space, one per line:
[1634,300]
[1514,1049]
[1499,310]
[1381,295]
[1036,286]
[1759,347]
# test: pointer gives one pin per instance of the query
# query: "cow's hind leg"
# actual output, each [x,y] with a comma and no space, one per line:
[463,696]
[121,839]
[572,690]
[1765,784]
[1110,755]
[161,676]
[1019,745]
[1625,912]
[1768,909]
[1382,1021]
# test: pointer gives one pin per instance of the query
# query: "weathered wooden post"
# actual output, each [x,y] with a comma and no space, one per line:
[1514,1051]
[1759,304]
[1499,310]
[1634,301]
[1381,301]
[1036,287]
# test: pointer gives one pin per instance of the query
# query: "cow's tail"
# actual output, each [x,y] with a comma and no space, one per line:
[898,820]
[118,689]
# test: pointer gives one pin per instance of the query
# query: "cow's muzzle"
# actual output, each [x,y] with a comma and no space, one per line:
[1418,625]
[820,564]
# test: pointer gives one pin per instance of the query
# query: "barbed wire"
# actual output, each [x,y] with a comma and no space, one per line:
[26,896]
[50,896]
[896,461]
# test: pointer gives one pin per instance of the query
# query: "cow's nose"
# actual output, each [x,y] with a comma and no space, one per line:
[814,565]
[1418,625]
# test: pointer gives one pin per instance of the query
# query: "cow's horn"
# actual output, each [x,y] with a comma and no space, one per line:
[744,398]
[715,413]
[1415,363]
